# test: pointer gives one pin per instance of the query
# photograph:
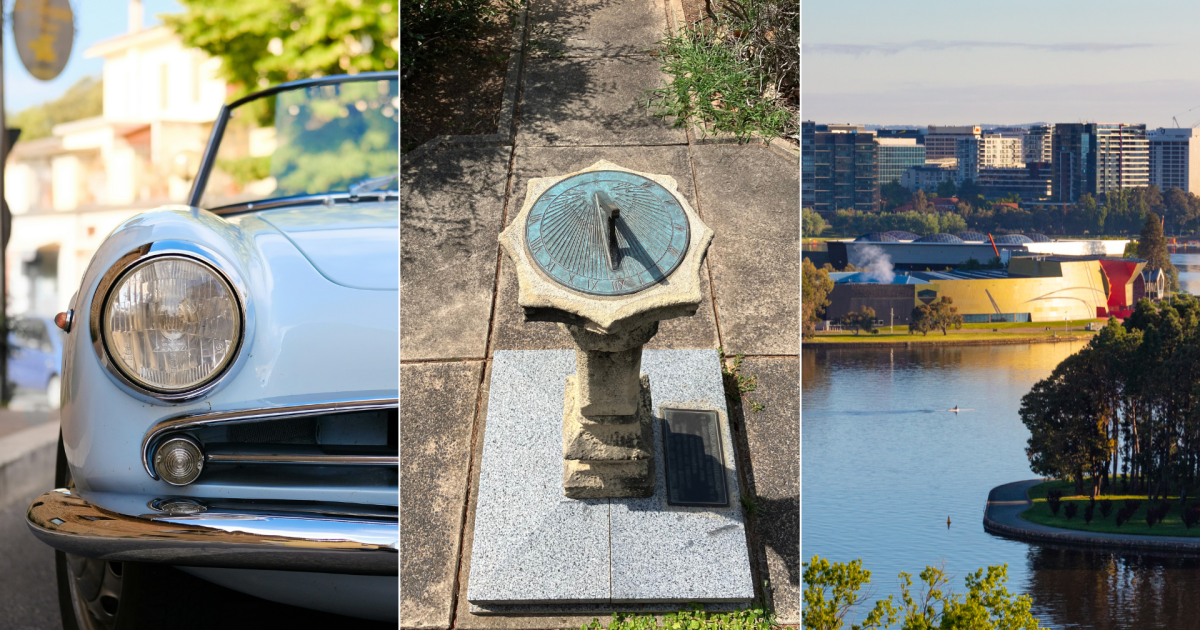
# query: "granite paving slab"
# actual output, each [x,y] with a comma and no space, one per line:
[773,436]
[533,546]
[436,418]
[466,617]
[452,204]
[671,553]
[595,28]
[749,196]
[593,101]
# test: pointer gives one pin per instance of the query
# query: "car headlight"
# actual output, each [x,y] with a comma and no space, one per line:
[171,324]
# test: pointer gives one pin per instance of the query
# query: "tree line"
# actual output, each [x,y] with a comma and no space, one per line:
[1125,410]
[1119,212]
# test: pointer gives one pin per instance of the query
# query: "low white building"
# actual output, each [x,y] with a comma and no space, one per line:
[68,191]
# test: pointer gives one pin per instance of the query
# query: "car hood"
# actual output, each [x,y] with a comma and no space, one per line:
[357,246]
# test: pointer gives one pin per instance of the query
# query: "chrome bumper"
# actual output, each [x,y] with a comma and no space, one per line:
[229,534]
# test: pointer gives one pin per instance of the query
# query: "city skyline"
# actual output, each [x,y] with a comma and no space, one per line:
[953,64]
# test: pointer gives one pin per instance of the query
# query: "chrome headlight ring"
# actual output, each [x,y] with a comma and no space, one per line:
[196,253]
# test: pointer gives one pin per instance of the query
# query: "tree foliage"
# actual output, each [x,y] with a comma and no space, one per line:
[939,315]
[851,222]
[267,42]
[864,320]
[1152,246]
[811,223]
[1120,212]
[832,595]
[815,286]
[85,99]
[1127,404]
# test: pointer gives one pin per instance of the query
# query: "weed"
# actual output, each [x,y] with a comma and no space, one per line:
[736,382]
[750,505]
[758,618]
[716,81]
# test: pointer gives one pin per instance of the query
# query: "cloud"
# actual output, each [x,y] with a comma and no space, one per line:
[931,45]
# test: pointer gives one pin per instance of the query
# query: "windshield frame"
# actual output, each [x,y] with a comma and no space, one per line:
[218,132]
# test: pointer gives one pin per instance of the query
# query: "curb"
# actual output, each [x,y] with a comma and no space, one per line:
[506,128]
[1075,539]
[27,461]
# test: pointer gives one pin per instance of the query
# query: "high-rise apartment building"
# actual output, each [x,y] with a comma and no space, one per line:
[807,190]
[942,142]
[992,150]
[845,171]
[1037,144]
[897,155]
[1175,158]
[1098,157]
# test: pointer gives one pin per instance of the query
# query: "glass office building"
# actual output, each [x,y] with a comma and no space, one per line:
[897,155]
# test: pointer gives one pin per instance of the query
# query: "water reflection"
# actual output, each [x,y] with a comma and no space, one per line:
[883,468]
[1189,272]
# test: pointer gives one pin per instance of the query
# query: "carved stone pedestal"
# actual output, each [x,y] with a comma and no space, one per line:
[608,435]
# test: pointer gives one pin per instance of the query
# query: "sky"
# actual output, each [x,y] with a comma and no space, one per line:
[95,21]
[1013,62]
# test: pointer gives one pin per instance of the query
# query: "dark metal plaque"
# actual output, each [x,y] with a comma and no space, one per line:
[607,233]
[693,458]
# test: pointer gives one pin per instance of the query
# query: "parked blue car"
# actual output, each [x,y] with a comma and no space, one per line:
[35,361]
[230,382]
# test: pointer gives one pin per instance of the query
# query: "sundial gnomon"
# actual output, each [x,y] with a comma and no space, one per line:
[607,233]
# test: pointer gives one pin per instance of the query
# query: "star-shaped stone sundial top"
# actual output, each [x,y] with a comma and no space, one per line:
[607,249]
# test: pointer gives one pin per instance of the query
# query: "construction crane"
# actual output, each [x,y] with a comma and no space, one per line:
[1176,120]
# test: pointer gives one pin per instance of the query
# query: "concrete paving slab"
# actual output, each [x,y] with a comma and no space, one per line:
[750,197]
[773,435]
[450,217]
[436,418]
[596,101]
[532,544]
[591,28]
[673,553]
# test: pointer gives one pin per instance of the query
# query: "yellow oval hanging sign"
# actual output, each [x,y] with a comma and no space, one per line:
[43,31]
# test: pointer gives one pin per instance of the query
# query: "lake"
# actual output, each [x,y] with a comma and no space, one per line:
[1189,272]
[884,465]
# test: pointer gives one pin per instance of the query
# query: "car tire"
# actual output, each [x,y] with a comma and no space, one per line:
[54,393]
[100,595]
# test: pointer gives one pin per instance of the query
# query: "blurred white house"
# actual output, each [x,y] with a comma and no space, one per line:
[68,191]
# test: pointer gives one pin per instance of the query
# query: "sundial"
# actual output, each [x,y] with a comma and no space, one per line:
[607,253]
[607,233]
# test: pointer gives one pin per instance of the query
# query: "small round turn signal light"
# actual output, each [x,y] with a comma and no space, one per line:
[178,461]
[64,320]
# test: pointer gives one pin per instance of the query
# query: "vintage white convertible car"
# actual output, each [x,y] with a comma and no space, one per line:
[230,373]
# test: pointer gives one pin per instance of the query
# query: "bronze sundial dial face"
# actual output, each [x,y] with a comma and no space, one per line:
[607,233]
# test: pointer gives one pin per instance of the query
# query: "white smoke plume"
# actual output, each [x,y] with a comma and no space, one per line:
[877,264]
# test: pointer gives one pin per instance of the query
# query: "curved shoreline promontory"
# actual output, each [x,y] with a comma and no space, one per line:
[1002,517]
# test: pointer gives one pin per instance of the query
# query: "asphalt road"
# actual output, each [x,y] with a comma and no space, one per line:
[29,594]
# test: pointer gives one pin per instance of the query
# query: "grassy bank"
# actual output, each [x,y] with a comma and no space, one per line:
[1171,525]
[901,336]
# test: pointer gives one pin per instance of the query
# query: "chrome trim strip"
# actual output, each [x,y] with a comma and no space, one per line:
[178,249]
[218,537]
[305,200]
[183,423]
[295,456]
